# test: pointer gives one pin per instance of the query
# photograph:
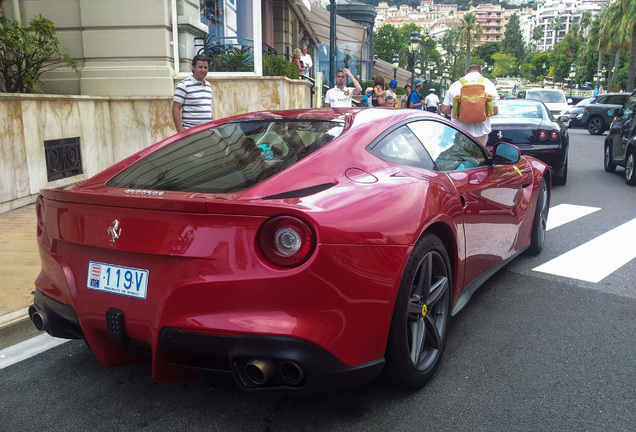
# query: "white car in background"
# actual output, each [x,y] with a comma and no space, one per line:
[554,99]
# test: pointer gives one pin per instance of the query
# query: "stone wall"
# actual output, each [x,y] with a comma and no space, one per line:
[111,128]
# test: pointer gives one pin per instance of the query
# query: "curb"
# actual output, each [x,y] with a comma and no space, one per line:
[16,327]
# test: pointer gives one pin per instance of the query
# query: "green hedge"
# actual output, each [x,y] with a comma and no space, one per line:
[244,62]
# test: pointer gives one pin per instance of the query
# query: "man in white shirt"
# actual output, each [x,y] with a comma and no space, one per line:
[340,96]
[431,101]
[478,130]
[305,58]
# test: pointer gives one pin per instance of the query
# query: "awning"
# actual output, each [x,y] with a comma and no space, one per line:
[349,35]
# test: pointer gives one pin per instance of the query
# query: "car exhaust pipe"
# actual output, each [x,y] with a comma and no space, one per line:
[259,371]
[292,373]
[39,319]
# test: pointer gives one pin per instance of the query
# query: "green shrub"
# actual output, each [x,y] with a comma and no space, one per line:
[278,66]
[234,62]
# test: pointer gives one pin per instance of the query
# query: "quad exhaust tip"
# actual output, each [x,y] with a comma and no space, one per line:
[259,371]
[39,319]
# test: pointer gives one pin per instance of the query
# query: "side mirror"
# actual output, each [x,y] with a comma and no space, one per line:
[569,101]
[505,154]
[564,119]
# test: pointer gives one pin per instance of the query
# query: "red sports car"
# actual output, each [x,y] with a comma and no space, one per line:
[308,250]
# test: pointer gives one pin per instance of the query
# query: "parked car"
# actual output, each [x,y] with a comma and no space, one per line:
[575,113]
[507,96]
[304,250]
[586,86]
[529,125]
[596,117]
[573,100]
[554,99]
[620,144]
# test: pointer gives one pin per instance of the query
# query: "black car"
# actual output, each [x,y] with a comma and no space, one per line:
[596,115]
[620,144]
[576,112]
[529,125]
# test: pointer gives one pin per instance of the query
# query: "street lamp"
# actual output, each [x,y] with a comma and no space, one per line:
[572,75]
[414,45]
[599,79]
[396,65]
[426,41]
[445,76]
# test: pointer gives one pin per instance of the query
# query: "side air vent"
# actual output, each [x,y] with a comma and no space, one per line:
[299,193]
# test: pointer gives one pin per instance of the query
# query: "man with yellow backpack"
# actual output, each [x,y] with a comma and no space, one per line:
[471,101]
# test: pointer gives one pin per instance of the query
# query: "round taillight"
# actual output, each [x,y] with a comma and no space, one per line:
[286,241]
[554,135]
[543,135]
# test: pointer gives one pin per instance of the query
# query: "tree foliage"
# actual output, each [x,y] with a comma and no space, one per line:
[504,63]
[387,41]
[486,51]
[27,53]
[513,40]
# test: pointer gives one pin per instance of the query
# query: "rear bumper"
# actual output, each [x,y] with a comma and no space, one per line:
[293,364]
[288,364]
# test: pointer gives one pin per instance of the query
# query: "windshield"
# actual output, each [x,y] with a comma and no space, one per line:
[229,158]
[547,96]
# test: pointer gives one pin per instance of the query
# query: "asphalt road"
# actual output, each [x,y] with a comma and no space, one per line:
[532,351]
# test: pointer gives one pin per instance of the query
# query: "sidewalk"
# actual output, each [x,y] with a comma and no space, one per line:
[19,266]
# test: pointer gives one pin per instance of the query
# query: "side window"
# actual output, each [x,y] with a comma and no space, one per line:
[617,100]
[403,148]
[601,100]
[449,148]
[521,95]
[630,105]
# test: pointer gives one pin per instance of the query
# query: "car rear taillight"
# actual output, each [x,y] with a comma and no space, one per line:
[286,241]
[542,135]
[554,135]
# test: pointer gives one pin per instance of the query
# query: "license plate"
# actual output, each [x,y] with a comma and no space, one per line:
[114,279]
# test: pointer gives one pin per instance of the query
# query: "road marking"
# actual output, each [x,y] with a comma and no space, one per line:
[596,259]
[28,348]
[564,213]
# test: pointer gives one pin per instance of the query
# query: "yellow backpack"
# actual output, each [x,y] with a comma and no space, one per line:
[473,104]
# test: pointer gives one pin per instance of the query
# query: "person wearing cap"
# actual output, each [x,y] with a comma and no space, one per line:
[415,100]
[479,130]
[340,96]
[392,89]
[431,101]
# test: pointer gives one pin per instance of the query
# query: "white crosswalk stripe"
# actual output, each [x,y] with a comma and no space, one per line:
[596,259]
[564,213]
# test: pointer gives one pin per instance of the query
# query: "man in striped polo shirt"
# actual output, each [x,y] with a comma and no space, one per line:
[192,101]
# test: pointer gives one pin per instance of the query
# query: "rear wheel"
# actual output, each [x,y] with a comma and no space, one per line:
[595,125]
[630,178]
[608,164]
[419,325]
[540,223]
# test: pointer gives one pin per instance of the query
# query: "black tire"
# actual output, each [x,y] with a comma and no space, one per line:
[595,125]
[561,178]
[608,164]
[539,224]
[419,326]
[630,177]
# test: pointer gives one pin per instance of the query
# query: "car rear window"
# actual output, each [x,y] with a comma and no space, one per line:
[230,157]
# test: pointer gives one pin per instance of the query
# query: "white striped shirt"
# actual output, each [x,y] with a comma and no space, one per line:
[196,99]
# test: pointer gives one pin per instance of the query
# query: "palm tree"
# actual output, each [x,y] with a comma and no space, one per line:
[628,21]
[537,34]
[471,33]
[556,25]
[616,33]
[586,20]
